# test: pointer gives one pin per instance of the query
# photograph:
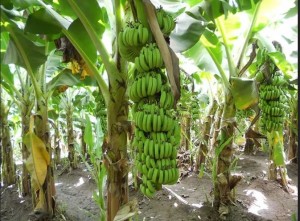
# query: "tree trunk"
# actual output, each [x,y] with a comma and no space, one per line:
[57,150]
[83,144]
[225,182]
[292,145]
[115,145]
[70,138]
[249,146]
[188,132]
[26,110]
[8,167]
[203,148]
[183,129]
[216,126]
[42,131]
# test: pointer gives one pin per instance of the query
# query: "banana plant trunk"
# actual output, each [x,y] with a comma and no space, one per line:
[26,110]
[8,166]
[293,137]
[203,148]
[292,147]
[57,150]
[186,128]
[277,157]
[225,182]
[216,125]
[83,144]
[188,132]
[70,137]
[115,147]
[42,131]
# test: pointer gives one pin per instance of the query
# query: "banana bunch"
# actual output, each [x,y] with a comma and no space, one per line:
[149,58]
[165,21]
[156,159]
[157,136]
[166,99]
[277,79]
[153,119]
[134,35]
[131,40]
[157,133]
[273,103]
[146,84]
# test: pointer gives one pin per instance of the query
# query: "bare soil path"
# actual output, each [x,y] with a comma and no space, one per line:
[257,198]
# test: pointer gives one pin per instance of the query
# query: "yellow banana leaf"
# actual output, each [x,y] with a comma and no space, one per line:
[41,203]
[38,160]
[244,92]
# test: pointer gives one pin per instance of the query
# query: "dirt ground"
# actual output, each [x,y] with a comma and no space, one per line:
[257,198]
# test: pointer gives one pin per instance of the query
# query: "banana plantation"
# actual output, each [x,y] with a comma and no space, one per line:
[149,110]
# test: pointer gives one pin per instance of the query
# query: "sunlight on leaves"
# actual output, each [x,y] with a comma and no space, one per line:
[272,10]
[281,62]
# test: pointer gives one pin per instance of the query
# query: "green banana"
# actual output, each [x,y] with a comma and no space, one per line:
[161,177]
[166,177]
[163,98]
[158,164]
[156,151]
[162,151]
[159,18]
[144,83]
[144,170]
[159,82]
[150,186]
[152,162]
[155,174]
[166,26]
[145,36]
[150,85]
[150,173]
[148,193]
[154,86]
[149,58]
[165,123]
[148,165]
[146,147]
[159,121]
[135,39]
[163,164]
[143,189]
[137,64]
[151,148]
[149,123]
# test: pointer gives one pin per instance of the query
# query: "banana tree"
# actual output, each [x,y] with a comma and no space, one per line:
[85,28]
[7,161]
[53,114]
[67,106]
[218,21]
[85,33]
[22,96]
[31,57]
[36,56]
[293,130]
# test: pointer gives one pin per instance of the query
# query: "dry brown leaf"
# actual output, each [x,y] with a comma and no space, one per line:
[170,59]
